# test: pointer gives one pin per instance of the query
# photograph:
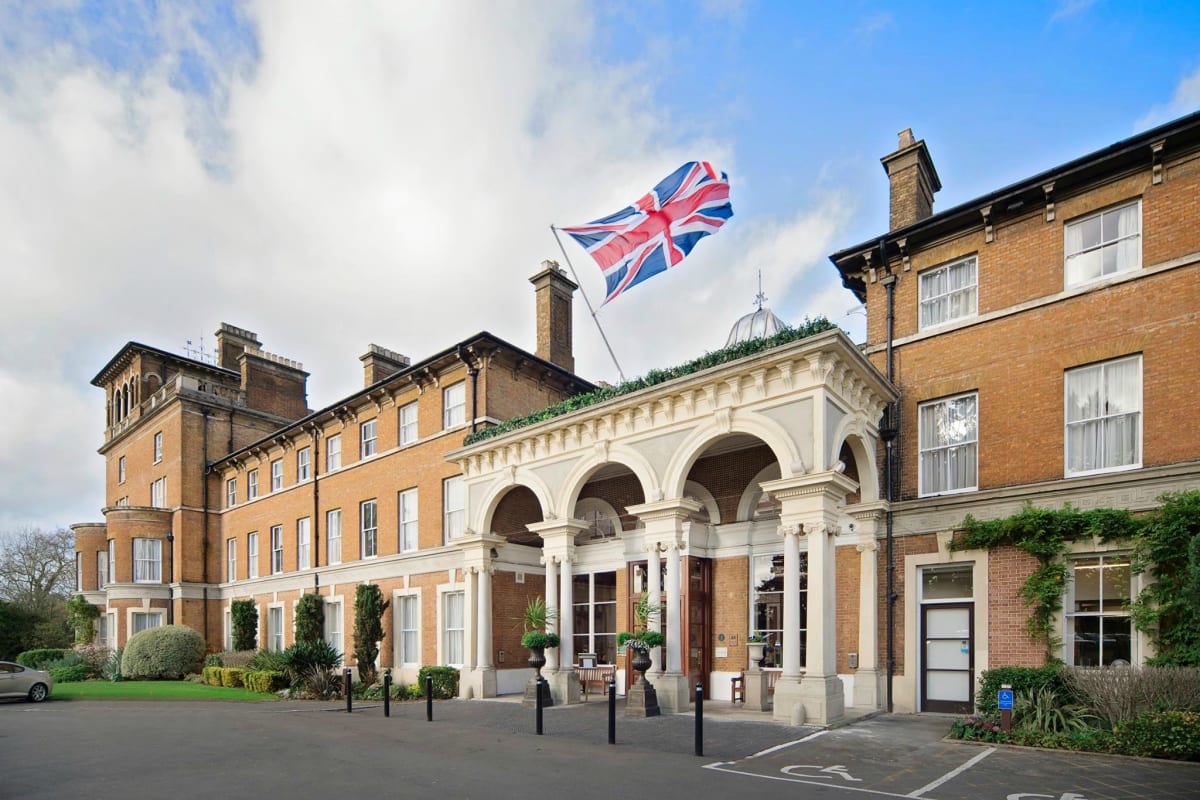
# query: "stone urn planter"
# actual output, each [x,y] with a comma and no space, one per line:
[642,700]
[755,651]
[537,642]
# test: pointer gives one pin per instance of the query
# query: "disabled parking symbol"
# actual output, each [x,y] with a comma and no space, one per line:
[820,773]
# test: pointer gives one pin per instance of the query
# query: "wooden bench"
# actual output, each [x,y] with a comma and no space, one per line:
[599,676]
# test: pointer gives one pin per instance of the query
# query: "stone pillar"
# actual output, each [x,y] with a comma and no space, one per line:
[566,618]
[551,610]
[478,677]
[483,648]
[666,530]
[866,678]
[471,618]
[654,599]
[811,508]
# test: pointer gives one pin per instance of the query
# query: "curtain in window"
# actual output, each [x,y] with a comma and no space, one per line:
[454,628]
[1123,389]
[1103,410]
[1129,248]
[948,439]
[147,561]
[409,623]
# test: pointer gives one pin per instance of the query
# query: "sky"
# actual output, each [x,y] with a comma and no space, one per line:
[330,175]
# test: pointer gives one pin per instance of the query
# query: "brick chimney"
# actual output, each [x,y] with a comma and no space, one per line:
[232,341]
[553,291]
[913,181]
[379,362]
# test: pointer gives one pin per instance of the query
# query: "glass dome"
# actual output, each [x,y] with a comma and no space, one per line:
[754,325]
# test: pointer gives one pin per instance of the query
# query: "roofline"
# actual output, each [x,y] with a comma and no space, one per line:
[453,350]
[969,209]
[131,345]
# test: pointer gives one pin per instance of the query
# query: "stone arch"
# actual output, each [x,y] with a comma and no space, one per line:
[750,497]
[851,433]
[770,433]
[501,487]
[604,520]
[696,491]
[617,454]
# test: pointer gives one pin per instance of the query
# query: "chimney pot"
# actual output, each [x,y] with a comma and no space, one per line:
[553,293]
[913,181]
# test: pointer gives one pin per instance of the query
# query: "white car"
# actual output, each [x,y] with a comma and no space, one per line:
[19,681]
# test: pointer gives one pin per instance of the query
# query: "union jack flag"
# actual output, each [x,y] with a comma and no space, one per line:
[658,231]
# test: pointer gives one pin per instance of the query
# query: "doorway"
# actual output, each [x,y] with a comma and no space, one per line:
[947,636]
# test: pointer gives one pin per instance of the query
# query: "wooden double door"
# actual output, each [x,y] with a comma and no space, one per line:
[695,610]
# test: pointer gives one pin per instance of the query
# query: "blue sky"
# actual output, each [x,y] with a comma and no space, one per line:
[331,175]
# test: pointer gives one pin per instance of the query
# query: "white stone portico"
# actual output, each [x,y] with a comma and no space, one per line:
[809,407]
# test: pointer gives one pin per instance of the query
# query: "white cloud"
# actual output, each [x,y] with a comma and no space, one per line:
[874,23]
[1069,8]
[1185,100]
[376,176]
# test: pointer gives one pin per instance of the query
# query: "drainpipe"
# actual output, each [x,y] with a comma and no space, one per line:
[888,433]
[204,504]
[473,371]
[316,523]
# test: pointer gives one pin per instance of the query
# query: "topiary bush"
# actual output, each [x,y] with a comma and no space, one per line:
[211,676]
[165,652]
[233,677]
[310,618]
[243,615]
[265,681]
[34,659]
[445,681]
[369,608]
[1163,734]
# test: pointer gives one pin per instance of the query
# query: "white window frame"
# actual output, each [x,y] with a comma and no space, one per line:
[368,533]
[231,493]
[148,615]
[158,447]
[1114,244]
[451,638]
[227,630]
[333,536]
[303,464]
[587,602]
[777,635]
[147,560]
[112,561]
[251,484]
[78,571]
[252,554]
[966,296]
[406,513]
[275,627]
[972,444]
[453,516]
[231,559]
[335,622]
[333,452]
[276,549]
[368,438]
[277,475]
[1104,418]
[303,543]
[1069,615]
[454,405]
[121,469]
[102,631]
[408,423]
[103,571]
[158,492]
[408,627]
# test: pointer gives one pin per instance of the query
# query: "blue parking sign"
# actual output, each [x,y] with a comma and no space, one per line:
[1005,700]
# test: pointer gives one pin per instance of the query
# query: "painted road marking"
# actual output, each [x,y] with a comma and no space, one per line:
[836,770]
[723,766]
[786,745]
[952,773]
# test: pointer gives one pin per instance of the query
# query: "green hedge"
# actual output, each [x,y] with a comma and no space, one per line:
[1163,734]
[73,674]
[233,677]
[211,676]
[1022,679]
[168,651]
[34,659]
[445,682]
[265,681]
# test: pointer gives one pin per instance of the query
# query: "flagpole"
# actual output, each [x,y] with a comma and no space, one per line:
[591,310]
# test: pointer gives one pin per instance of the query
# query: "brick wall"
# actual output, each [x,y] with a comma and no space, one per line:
[731,581]
[903,546]
[848,574]
[1009,643]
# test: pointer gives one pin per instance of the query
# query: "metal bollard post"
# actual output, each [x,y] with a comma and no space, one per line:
[612,712]
[699,719]
[347,686]
[429,698]
[538,704]
[387,692]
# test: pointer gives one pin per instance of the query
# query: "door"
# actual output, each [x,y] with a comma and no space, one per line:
[697,609]
[947,657]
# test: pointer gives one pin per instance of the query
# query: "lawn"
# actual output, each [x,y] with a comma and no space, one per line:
[152,690]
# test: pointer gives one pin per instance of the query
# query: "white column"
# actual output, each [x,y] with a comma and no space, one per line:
[821,659]
[471,619]
[866,679]
[566,618]
[654,598]
[484,619]
[674,617]
[551,609]
[792,623]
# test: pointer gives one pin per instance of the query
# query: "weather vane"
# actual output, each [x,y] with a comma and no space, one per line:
[760,298]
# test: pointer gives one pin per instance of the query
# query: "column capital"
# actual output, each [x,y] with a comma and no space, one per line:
[868,512]
[677,509]
[831,483]
[866,547]
[548,560]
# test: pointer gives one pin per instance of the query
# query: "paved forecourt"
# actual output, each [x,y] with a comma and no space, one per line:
[906,756]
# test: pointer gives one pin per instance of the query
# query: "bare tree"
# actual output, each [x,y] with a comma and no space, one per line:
[37,568]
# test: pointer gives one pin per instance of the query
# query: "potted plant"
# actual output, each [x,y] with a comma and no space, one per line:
[536,638]
[641,639]
[755,644]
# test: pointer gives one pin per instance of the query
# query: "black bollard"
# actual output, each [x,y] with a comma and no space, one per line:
[387,692]
[538,704]
[699,719]
[429,698]
[612,712]
[348,685]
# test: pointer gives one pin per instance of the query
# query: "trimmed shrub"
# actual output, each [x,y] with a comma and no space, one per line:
[168,651]
[72,674]
[1164,734]
[211,676]
[414,692]
[369,608]
[265,681]
[243,615]
[233,677]
[310,618]
[445,682]
[1022,679]
[34,659]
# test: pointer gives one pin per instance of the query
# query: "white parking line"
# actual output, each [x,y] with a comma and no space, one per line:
[785,745]
[952,773]
[723,766]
